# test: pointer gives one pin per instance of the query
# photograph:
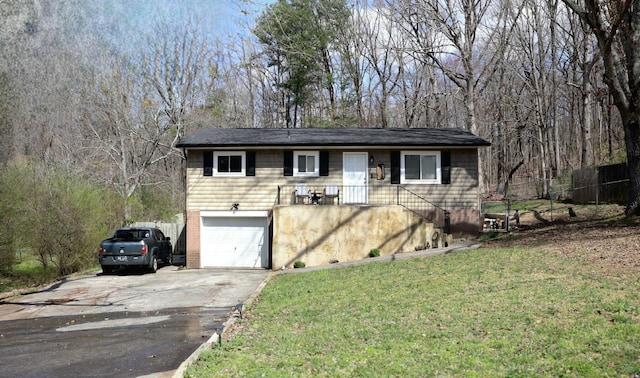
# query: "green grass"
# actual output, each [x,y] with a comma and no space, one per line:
[28,272]
[478,313]
[500,207]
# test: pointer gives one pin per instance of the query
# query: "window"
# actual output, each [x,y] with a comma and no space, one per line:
[313,163]
[228,163]
[306,163]
[420,167]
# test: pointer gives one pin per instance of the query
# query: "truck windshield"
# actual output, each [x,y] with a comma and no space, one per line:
[132,234]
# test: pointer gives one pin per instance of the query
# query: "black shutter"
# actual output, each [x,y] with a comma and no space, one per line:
[445,160]
[207,165]
[288,163]
[395,167]
[324,163]
[251,163]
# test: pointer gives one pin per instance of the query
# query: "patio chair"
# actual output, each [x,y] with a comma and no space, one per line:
[331,191]
[301,194]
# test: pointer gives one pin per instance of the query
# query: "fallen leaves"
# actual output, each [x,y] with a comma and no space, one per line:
[606,240]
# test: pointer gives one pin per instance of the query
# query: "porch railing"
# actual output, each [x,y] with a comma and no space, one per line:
[420,206]
[365,195]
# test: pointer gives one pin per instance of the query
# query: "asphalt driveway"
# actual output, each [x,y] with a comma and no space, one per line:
[121,325]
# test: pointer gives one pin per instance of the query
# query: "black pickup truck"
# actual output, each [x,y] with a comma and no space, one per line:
[140,246]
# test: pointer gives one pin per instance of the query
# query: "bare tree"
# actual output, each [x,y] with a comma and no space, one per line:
[453,50]
[44,77]
[376,34]
[534,44]
[142,111]
[353,47]
[519,72]
[177,69]
[616,27]
[119,136]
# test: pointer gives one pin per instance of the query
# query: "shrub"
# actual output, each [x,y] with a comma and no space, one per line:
[299,264]
[489,235]
[9,191]
[58,216]
[375,252]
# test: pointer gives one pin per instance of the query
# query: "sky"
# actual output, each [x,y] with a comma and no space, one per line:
[221,19]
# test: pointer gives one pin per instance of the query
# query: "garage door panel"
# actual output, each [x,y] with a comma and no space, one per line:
[234,242]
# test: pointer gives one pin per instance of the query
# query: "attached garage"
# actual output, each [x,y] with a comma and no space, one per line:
[234,239]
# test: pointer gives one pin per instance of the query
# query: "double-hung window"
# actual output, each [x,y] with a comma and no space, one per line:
[420,167]
[306,163]
[229,163]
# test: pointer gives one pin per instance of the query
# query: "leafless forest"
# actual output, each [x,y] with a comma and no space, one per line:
[81,95]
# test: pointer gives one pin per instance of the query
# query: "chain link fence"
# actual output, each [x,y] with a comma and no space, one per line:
[532,188]
[597,185]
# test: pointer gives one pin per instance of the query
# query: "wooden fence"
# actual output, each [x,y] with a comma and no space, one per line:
[605,184]
[176,231]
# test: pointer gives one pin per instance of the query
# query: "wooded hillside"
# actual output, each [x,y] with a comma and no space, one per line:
[78,92]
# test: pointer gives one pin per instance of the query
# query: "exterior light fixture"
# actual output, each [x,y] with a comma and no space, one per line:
[219,329]
[240,307]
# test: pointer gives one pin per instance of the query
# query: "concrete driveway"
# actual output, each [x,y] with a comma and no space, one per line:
[125,324]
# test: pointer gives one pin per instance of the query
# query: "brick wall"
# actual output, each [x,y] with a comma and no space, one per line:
[193,239]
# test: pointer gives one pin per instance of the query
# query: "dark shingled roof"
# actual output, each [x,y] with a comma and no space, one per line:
[418,137]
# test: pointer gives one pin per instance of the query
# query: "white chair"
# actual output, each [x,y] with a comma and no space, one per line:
[301,193]
[331,191]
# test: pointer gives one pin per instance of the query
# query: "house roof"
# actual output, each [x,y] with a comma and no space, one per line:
[414,137]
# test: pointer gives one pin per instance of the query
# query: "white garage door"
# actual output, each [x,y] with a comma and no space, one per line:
[234,242]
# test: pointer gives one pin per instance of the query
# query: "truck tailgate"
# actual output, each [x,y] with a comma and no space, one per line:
[123,248]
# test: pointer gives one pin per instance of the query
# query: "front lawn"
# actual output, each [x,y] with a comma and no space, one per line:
[495,311]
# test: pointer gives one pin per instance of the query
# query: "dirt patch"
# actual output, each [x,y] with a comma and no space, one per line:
[601,236]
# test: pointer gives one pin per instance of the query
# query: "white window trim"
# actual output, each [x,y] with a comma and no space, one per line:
[437,180]
[243,154]
[316,168]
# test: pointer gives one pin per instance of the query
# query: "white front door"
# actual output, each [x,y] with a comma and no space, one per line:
[354,177]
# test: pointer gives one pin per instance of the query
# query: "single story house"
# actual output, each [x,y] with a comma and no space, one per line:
[266,198]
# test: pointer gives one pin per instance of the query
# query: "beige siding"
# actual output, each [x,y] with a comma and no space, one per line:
[463,190]
[260,192]
[461,193]
[257,192]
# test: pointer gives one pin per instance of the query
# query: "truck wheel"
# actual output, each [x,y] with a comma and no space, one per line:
[154,265]
[107,269]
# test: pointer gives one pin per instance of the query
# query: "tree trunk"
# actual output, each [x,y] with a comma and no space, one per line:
[618,39]
[632,142]
[510,176]
[553,8]
[587,111]
[609,132]
[543,161]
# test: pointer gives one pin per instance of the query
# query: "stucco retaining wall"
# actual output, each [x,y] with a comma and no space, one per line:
[317,235]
